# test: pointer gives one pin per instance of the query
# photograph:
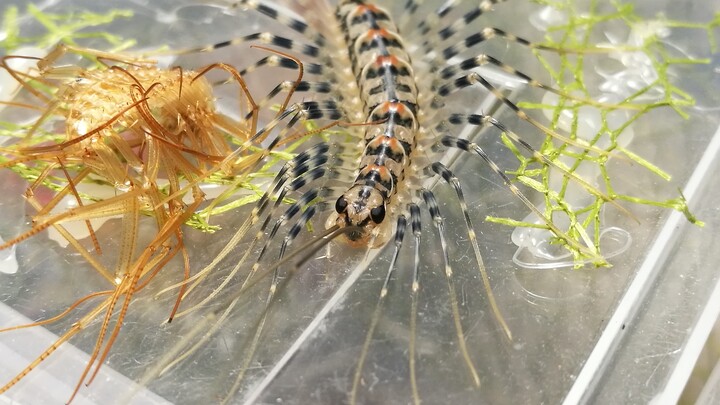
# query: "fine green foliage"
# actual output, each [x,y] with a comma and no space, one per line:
[61,28]
[573,41]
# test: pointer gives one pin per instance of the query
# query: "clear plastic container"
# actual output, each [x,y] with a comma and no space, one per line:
[626,334]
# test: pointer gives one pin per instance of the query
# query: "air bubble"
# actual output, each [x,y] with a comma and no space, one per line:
[548,17]
[8,259]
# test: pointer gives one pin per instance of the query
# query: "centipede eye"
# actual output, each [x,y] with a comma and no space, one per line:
[341,205]
[377,214]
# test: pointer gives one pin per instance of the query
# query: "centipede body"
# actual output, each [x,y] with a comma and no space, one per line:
[333,172]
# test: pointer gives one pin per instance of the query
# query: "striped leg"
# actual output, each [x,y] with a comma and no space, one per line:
[274,286]
[474,78]
[489,33]
[449,177]
[282,18]
[439,223]
[266,38]
[399,235]
[289,178]
[483,60]
[453,28]
[305,168]
[481,120]
[590,250]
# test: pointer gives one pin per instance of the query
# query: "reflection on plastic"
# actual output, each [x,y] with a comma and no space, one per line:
[53,384]
[536,250]
[8,260]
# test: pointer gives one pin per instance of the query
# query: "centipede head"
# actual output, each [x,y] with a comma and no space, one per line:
[362,206]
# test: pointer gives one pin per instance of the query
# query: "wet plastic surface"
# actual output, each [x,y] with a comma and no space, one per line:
[617,335]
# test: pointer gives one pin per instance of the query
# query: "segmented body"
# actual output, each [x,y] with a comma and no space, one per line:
[389,94]
[369,180]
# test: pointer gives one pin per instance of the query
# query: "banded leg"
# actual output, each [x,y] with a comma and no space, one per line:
[589,249]
[474,78]
[456,26]
[311,160]
[266,38]
[481,120]
[450,178]
[483,59]
[301,87]
[416,226]
[283,62]
[294,24]
[439,223]
[274,286]
[489,33]
[299,172]
[294,114]
[399,235]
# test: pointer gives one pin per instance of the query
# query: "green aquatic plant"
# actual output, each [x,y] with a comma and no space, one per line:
[576,51]
[60,28]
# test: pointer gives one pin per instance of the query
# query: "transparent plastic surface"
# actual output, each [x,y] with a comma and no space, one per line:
[644,307]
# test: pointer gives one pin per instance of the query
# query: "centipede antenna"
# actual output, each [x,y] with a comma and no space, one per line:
[309,251]
[209,325]
[212,322]
[399,235]
[250,353]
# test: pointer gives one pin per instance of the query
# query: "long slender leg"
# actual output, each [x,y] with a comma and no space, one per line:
[399,235]
[266,38]
[447,175]
[474,78]
[456,26]
[416,226]
[310,161]
[301,87]
[489,33]
[282,18]
[439,223]
[482,60]
[250,353]
[481,119]
[590,250]
[283,62]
